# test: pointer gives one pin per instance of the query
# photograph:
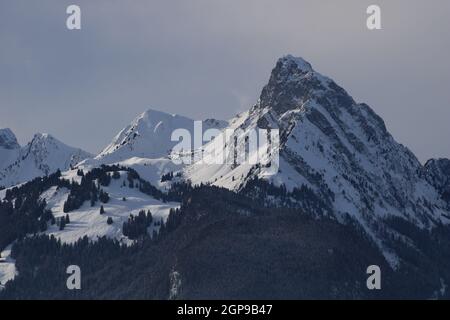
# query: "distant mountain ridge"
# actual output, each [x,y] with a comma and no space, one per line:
[42,156]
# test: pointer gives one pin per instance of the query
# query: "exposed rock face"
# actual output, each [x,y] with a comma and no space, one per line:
[8,140]
[437,172]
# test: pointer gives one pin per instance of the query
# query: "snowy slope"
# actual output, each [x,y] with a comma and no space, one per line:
[335,146]
[40,157]
[87,221]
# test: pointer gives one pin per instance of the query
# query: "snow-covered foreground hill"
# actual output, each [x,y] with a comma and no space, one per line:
[87,221]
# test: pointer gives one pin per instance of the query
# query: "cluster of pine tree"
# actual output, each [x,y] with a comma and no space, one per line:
[62,221]
[172,222]
[23,212]
[116,175]
[167,177]
[89,188]
[52,257]
[175,193]
[136,227]
[303,197]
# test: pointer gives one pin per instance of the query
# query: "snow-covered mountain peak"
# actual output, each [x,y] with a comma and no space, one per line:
[39,135]
[300,63]
[339,149]
[43,144]
[40,139]
[150,136]
[293,82]
[147,136]
[43,155]
[8,139]
[151,115]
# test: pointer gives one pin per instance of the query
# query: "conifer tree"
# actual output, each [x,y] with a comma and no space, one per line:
[116,175]
[62,224]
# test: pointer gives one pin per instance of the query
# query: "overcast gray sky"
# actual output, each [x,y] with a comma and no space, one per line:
[211,58]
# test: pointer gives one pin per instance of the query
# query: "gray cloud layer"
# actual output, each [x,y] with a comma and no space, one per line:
[210,58]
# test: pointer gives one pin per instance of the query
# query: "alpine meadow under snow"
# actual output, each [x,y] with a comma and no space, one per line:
[345,194]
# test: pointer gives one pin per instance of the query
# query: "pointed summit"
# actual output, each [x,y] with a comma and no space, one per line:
[150,136]
[147,136]
[293,82]
[8,139]
[42,136]
[301,64]
[338,149]
[41,156]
